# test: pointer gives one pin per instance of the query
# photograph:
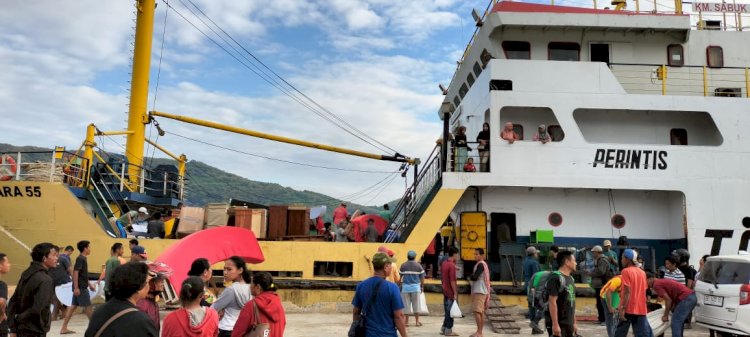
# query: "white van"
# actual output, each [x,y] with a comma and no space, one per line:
[723,291]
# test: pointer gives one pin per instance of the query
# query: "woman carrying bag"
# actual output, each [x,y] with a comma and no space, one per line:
[263,312]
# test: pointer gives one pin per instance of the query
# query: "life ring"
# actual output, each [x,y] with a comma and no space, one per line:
[470,238]
[8,168]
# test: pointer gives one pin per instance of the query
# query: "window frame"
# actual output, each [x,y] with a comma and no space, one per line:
[672,63]
[708,57]
[555,127]
[561,43]
[505,49]
[677,133]
[477,69]
[518,128]
[456,101]
[463,90]
[470,79]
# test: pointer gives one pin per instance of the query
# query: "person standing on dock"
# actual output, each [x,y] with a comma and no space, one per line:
[4,269]
[378,302]
[632,307]
[560,317]
[450,290]
[81,284]
[412,285]
[114,261]
[530,267]
[29,307]
[599,277]
[480,290]
[678,299]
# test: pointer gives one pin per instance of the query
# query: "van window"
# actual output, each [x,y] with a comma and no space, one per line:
[725,272]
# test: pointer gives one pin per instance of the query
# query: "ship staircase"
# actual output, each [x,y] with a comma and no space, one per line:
[103,194]
[418,196]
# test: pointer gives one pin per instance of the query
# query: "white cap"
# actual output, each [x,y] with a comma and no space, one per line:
[531,250]
[143,210]
[597,249]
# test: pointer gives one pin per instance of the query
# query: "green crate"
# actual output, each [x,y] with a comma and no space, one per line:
[542,236]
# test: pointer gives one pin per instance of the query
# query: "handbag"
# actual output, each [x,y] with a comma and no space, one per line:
[258,329]
[360,330]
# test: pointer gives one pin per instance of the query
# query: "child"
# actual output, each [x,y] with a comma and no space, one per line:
[469,166]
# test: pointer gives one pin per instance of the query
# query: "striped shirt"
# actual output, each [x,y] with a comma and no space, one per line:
[412,274]
[677,275]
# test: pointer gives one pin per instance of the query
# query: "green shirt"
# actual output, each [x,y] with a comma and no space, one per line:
[611,253]
[109,267]
[124,218]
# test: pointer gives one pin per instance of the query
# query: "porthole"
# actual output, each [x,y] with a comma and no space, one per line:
[618,221]
[555,219]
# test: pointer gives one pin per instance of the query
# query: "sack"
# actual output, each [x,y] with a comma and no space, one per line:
[258,329]
[456,311]
[423,305]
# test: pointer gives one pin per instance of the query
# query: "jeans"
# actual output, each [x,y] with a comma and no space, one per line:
[447,320]
[681,313]
[530,303]
[610,319]
[600,309]
[641,328]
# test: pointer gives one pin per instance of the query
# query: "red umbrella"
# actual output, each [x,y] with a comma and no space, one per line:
[216,244]
[360,225]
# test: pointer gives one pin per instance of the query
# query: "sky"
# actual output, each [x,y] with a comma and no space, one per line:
[375,64]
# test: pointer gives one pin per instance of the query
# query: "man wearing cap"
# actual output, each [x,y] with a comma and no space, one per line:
[138,254]
[611,256]
[530,267]
[380,301]
[158,272]
[632,307]
[599,277]
[412,284]
[129,218]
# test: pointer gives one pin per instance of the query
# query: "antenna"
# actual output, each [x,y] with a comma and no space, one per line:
[477,18]
[443,89]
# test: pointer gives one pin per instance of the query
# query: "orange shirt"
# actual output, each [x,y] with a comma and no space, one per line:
[634,279]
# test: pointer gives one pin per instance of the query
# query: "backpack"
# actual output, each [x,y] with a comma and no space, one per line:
[544,298]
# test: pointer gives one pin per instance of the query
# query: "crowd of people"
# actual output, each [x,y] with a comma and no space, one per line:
[622,288]
[133,292]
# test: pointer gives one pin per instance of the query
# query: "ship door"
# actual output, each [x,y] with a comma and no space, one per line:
[599,52]
[473,233]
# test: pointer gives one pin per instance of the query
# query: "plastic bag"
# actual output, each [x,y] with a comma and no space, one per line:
[455,310]
[423,305]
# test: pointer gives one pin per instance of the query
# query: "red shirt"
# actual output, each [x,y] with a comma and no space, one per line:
[320,226]
[676,291]
[431,248]
[339,214]
[177,324]
[448,271]
[634,279]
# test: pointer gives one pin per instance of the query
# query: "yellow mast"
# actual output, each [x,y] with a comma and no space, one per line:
[137,116]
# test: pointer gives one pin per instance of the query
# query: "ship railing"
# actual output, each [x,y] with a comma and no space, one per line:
[458,158]
[52,166]
[417,196]
[686,80]
[157,183]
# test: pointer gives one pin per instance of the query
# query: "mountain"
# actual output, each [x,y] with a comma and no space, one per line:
[207,184]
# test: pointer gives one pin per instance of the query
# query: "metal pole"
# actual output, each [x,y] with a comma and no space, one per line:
[137,117]
[664,80]
[164,189]
[705,81]
[444,150]
[637,6]
[18,157]
[678,7]
[52,167]
[122,176]
[88,152]
[747,83]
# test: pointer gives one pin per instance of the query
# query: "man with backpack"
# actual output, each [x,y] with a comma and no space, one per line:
[536,286]
[599,277]
[561,297]
[378,303]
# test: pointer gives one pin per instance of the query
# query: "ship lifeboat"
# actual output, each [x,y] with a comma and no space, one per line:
[8,167]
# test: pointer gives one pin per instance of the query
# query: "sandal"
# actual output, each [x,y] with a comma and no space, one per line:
[419,323]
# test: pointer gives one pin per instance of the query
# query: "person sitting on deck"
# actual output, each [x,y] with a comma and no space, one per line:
[469,166]
[128,219]
[541,135]
[509,134]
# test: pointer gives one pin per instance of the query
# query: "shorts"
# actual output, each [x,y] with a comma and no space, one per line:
[411,303]
[477,302]
[82,300]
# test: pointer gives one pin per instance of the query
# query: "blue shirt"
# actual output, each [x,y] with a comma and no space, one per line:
[530,267]
[380,315]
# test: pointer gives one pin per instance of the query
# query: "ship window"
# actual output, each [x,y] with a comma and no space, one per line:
[470,79]
[715,56]
[564,51]
[517,50]
[463,90]
[485,57]
[456,101]
[477,69]
[675,55]
[332,269]
[647,127]
[556,133]
[678,137]
[728,92]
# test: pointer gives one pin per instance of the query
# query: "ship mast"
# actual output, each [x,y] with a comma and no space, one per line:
[137,112]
